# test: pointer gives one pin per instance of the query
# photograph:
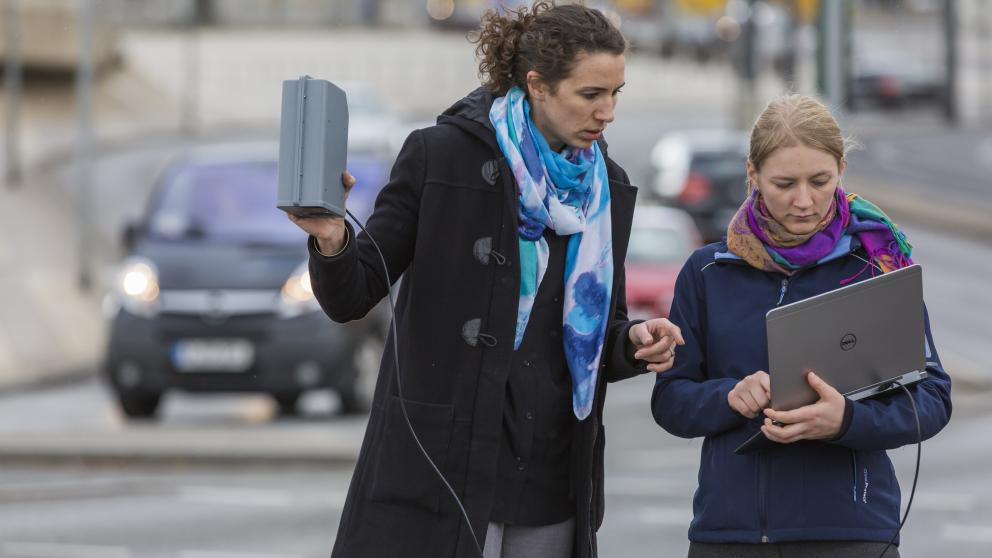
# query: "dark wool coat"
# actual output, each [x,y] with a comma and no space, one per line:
[448,220]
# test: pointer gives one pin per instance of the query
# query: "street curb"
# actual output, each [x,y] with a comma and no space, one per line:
[52,379]
[152,445]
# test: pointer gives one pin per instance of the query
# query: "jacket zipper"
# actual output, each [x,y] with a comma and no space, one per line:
[854,476]
[781,292]
[762,489]
[761,498]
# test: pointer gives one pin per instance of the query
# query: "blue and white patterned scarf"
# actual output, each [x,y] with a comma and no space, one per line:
[569,193]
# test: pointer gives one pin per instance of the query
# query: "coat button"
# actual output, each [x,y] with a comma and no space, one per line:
[529,415]
[490,171]
[470,332]
[482,248]
[526,363]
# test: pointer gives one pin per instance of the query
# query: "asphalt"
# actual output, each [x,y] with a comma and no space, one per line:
[52,332]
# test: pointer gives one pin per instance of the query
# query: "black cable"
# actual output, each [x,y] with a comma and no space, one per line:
[916,475]
[399,390]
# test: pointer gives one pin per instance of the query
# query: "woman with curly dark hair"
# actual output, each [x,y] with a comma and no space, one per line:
[510,225]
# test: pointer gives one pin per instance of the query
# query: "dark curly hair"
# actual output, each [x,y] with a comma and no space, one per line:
[545,38]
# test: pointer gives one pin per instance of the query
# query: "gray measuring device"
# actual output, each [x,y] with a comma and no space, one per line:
[313,147]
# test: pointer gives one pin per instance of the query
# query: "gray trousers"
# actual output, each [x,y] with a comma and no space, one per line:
[518,541]
[806,549]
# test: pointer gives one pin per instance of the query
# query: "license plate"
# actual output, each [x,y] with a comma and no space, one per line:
[213,355]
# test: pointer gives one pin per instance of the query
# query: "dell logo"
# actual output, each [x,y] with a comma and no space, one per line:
[848,342]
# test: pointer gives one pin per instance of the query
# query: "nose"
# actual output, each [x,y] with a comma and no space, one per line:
[804,197]
[605,112]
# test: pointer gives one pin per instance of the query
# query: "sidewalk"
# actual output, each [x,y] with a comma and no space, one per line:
[49,330]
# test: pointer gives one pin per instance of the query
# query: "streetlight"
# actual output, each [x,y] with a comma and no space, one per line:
[84,142]
[12,93]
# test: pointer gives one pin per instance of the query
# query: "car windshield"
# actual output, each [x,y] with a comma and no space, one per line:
[655,245]
[222,202]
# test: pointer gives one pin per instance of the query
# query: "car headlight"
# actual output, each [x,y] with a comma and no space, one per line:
[137,286]
[296,296]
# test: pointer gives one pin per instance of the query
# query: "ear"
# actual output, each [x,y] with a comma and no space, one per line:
[752,176]
[537,89]
[841,167]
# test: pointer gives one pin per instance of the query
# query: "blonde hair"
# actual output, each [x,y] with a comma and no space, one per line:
[793,120]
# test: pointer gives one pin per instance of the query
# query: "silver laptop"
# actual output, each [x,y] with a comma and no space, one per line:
[864,340]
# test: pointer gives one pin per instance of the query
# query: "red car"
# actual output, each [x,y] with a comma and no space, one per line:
[661,240]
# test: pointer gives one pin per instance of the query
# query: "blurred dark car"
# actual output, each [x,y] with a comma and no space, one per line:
[661,240]
[702,172]
[214,294]
[891,81]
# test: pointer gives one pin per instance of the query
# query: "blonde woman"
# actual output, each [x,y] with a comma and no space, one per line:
[827,488]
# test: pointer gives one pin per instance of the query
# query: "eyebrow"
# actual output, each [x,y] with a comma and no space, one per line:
[821,173]
[598,88]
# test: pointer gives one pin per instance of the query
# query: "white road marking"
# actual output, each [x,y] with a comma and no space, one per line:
[214,554]
[676,516]
[660,459]
[966,533]
[233,496]
[236,496]
[944,502]
[56,550]
[648,487]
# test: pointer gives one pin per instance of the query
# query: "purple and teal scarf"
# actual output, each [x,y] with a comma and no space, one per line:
[569,193]
[758,239]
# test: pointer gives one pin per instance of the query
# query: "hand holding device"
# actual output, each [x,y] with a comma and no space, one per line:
[326,227]
[819,421]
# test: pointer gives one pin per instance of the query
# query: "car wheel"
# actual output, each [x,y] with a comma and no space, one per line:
[366,360]
[287,404]
[139,405]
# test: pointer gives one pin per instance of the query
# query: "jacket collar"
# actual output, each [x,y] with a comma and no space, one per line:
[844,247]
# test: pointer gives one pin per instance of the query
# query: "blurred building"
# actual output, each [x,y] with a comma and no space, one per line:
[974,91]
[49,35]
[267,12]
